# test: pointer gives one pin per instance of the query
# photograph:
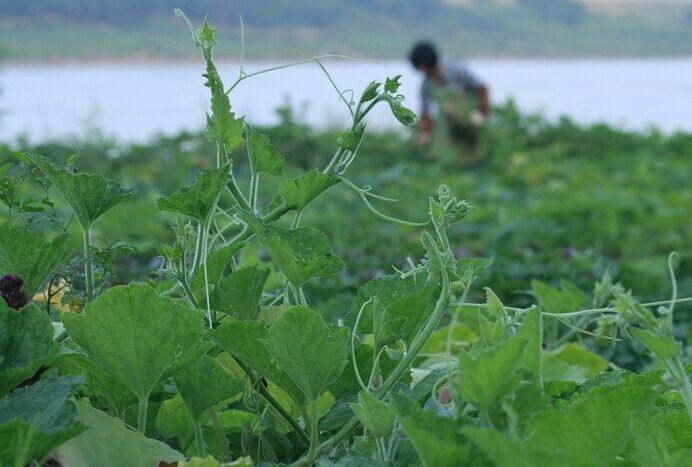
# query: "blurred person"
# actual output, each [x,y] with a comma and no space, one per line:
[457,100]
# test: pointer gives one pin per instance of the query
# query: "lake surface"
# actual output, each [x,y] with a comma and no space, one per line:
[134,101]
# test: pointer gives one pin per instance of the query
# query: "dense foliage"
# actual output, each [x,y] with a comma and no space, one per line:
[220,353]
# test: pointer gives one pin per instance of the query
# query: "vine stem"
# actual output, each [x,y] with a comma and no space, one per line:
[142,409]
[273,402]
[199,439]
[314,437]
[88,267]
[416,347]
[580,312]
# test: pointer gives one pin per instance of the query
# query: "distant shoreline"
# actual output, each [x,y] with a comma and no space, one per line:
[162,60]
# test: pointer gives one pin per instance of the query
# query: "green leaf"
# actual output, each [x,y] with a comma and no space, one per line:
[405,115]
[298,192]
[486,379]
[370,91]
[173,421]
[437,440]
[26,341]
[593,431]
[89,195]
[311,352]
[109,442]
[663,439]
[402,318]
[98,384]
[572,362]
[386,289]
[531,331]
[135,335]
[391,85]
[245,341]
[262,154]
[197,200]
[36,419]
[217,263]
[661,346]
[350,139]
[222,126]
[24,253]
[493,320]
[238,294]
[552,300]
[204,384]
[301,254]
[374,414]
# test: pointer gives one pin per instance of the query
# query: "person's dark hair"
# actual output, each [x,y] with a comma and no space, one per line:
[423,54]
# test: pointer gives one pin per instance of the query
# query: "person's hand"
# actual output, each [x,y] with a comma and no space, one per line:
[425,124]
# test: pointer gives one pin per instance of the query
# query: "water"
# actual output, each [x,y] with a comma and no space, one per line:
[134,101]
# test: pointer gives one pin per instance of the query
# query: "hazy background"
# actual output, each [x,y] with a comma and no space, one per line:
[128,67]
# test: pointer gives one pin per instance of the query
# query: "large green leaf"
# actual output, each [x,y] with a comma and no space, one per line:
[593,431]
[262,154]
[108,442]
[198,199]
[89,195]
[135,335]
[36,419]
[437,440]
[26,341]
[100,386]
[26,254]
[663,439]
[484,380]
[204,384]
[238,293]
[245,341]
[298,192]
[302,254]
[311,352]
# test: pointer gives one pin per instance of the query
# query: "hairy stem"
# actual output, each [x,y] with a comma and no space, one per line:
[142,410]
[220,435]
[88,267]
[199,439]
[273,402]
[313,420]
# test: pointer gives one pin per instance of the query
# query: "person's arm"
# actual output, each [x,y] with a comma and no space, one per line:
[424,120]
[483,100]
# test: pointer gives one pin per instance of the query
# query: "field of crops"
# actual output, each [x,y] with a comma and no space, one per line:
[282,296]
